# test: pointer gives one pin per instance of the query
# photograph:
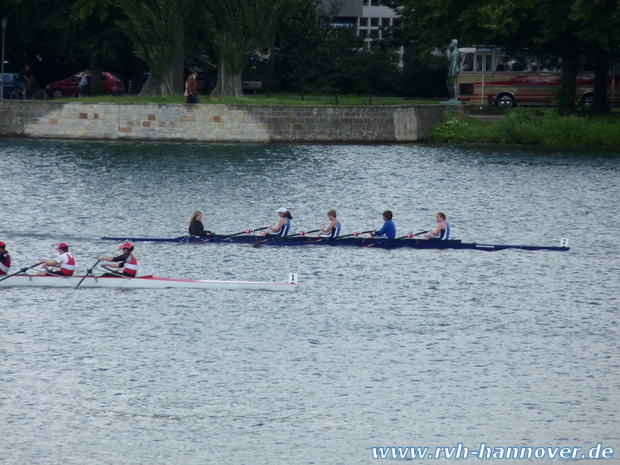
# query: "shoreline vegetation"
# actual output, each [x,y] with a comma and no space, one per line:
[530,126]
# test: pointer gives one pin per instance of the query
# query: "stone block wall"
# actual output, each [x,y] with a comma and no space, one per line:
[218,123]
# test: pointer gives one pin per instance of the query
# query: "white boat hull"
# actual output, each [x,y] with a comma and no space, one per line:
[146,282]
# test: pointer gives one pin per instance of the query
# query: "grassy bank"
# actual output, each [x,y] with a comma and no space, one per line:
[531,126]
[260,99]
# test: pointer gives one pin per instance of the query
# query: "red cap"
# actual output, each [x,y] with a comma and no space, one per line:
[126,245]
[2,244]
[62,245]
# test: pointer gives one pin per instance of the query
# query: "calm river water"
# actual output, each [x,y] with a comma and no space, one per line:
[376,348]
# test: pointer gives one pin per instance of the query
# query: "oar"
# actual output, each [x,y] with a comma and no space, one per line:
[346,235]
[395,239]
[20,271]
[89,271]
[303,233]
[247,231]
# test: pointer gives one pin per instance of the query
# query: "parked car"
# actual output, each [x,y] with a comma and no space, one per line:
[110,85]
[10,84]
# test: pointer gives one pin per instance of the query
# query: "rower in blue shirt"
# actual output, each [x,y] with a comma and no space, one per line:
[442,231]
[388,231]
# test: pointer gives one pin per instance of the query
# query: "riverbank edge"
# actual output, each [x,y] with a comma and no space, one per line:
[220,122]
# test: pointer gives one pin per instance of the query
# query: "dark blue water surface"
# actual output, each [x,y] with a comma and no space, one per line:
[375,348]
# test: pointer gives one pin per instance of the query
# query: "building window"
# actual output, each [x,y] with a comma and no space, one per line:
[374,22]
[363,22]
[385,22]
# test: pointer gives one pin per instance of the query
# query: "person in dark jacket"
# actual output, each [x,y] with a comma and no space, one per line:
[196,228]
[192,88]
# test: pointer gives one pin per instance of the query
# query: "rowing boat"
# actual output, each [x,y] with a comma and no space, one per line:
[144,282]
[346,241]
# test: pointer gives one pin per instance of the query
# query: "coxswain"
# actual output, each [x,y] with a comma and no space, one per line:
[281,229]
[65,262]
[196,228]
[333,228]
[126,261]
[388,230]
[442,231]
[5,259]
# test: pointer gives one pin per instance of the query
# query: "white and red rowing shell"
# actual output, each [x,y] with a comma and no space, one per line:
[146,282]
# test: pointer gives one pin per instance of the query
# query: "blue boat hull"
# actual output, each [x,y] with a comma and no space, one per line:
[347,241]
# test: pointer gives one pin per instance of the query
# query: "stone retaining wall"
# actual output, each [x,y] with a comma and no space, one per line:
[218,123]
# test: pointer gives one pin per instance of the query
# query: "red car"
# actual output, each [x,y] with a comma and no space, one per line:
[110,85]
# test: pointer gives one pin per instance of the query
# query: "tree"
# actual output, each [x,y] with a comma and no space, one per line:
[239,27]
[156,28]
[552,25]
[599,27]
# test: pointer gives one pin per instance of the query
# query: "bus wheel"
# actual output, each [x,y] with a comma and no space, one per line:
[505,101]
[587,102]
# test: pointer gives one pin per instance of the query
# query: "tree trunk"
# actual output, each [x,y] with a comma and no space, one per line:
[570,67]
[158,85]
[95,75]
[171,82]
[228,82]
[178,63]
[600,82]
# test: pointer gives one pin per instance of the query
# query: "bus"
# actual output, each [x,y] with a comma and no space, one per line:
[492,77]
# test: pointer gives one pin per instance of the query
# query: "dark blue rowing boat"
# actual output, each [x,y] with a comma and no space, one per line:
[345,241]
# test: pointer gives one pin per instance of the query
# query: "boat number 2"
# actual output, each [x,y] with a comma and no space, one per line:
[564,242]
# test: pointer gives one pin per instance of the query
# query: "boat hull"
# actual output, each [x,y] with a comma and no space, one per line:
[146,282]
[347,242]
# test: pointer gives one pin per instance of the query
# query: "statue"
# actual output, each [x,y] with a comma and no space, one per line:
[453,71]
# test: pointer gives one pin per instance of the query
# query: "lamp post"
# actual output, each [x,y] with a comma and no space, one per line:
[4,21]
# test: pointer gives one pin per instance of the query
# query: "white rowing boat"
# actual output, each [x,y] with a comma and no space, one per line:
[144,282]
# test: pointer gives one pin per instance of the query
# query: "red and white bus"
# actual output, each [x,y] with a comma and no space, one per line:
[492,77]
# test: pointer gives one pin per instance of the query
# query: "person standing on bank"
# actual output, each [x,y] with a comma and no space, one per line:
[196,228]
[25,79]
[192,88]
[65,262]
[126,261]
[83,86]
[5,260]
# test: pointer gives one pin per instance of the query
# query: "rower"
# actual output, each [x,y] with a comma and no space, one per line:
[5,259]
[442,231]
[281,229]
[196,228]
[333,229]
[126,261]
[388,231]
[65,262]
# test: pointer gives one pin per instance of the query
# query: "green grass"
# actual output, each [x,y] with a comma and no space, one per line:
[531,126]
[259,99]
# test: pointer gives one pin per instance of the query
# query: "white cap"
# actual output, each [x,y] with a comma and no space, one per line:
[281,210]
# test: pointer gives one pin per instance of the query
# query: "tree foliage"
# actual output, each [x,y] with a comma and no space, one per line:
[238,28]
[156,29]
[566,27]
